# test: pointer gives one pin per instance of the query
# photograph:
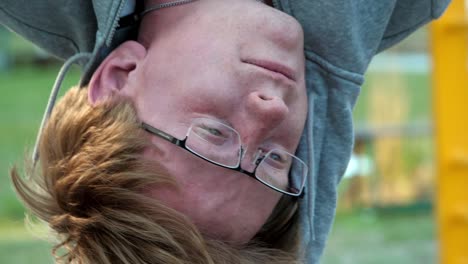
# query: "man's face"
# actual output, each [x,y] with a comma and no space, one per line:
[240,63]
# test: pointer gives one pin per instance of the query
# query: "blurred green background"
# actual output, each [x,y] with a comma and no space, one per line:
[385,203]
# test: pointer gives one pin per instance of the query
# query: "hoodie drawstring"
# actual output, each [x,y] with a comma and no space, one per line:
[53,97]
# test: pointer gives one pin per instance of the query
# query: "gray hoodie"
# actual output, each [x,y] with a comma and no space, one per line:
[341,37]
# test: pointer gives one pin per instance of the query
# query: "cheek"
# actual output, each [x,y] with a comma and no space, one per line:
[228,206]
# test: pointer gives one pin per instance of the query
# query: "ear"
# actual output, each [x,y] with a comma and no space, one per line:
[111,77]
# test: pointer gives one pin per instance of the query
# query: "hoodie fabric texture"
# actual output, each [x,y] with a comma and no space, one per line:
[341,37]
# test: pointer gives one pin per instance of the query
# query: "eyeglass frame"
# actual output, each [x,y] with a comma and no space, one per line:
[182,144]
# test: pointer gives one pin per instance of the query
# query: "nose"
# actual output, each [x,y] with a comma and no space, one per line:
[265,114]
[267,110]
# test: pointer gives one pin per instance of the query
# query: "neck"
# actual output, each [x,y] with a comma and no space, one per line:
[158,18]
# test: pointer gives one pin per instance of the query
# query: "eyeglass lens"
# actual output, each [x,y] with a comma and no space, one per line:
[221,145]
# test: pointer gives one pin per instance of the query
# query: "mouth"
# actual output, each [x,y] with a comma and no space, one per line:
[274,67]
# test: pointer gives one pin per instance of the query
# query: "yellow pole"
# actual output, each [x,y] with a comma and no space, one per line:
[450,79]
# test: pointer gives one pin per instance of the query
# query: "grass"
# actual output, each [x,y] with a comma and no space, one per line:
[24,96]
[369,238]
[25,251]
[17,245]
[23,100]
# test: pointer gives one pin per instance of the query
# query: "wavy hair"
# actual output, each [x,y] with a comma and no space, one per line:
[88,189]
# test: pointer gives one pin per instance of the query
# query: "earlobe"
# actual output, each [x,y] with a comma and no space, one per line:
[111,77]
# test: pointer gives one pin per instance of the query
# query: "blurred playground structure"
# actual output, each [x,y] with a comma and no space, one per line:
[392,166]
[450,52]
[411,151]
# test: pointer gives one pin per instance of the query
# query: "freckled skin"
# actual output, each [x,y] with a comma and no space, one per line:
[195,66]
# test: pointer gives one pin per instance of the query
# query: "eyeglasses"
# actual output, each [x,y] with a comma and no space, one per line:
[220,144]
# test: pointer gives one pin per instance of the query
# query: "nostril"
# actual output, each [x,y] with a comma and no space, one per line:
[261,96]
[268,108]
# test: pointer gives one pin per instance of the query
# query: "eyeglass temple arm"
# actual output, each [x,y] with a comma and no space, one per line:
[161,134]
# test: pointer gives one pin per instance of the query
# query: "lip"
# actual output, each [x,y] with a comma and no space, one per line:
[273,67]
